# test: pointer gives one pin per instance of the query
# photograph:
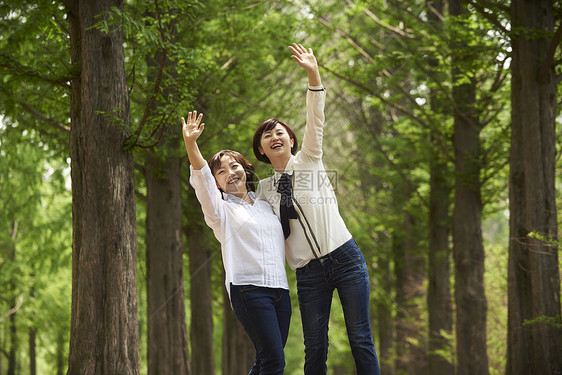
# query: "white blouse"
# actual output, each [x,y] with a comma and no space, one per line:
[320,228]
[251,236]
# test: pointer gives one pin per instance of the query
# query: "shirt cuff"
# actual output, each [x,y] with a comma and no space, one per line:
[199,172]
[316,88]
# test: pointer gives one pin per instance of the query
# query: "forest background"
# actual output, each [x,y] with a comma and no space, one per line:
[442,140]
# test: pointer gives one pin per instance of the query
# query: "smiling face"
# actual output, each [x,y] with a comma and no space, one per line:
[231,176]
[276,143]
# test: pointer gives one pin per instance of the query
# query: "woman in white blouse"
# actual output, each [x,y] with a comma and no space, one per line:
[252,246]
[317,243]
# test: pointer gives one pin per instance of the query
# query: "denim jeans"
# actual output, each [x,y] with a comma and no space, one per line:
[343,269]
[265,314]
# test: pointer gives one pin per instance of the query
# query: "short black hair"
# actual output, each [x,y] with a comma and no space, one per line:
[266,126]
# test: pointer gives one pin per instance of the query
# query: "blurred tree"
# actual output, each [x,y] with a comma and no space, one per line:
[439,300]
[534,275]
[468,247]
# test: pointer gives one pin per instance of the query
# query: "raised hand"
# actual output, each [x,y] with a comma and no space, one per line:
[305,58]
[193,128]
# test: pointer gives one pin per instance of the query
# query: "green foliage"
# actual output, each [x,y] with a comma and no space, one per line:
[546,239]
[495,230]
[553,321]
[35,241]
[35,69]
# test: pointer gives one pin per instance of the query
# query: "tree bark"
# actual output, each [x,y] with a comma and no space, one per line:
[104,322]
[168,349]
[32,344]
[60,347]
[32,356]
[201,333]
[533,273]
[12,359]
[238,353]
[439,302]
[167,333]
[384,318]
[410,276]
[468,248]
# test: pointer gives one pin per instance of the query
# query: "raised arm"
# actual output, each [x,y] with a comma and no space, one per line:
[201,178]
[315,99]
[308,62]
[191,130]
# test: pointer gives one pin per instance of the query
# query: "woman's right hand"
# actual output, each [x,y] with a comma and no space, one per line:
[305,58]
[192,128]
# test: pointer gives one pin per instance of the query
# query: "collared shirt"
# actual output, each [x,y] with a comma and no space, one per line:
[251,237]
[320,228]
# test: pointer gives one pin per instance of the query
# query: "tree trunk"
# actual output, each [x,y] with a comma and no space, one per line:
[12,362]
[533,276]
[60,346]
[238,353]
[12,359]
[409,269]
[168,350]
[468,249]
[32,356]
[439,303]
[32,345]
[104,322]
[384,318]
[201,333]
[167,333]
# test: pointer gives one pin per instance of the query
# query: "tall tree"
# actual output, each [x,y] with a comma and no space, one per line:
[533,270]
[468,247]
[238,353]
[167,333]
[410,276]
[104,326]
[439,302]
[201,331]
[167,344]
[32,343]
[12,354]
[382,314]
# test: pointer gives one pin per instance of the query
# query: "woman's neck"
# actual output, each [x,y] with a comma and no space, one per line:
[244,196]
[280,163]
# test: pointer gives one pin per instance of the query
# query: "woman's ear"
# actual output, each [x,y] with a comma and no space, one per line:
[260,149]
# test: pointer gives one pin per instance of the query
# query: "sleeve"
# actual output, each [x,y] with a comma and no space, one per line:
[207,194]
[260,192]
[313,133]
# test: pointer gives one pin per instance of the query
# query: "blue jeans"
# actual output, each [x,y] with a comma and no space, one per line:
[265,314]
[343,269]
